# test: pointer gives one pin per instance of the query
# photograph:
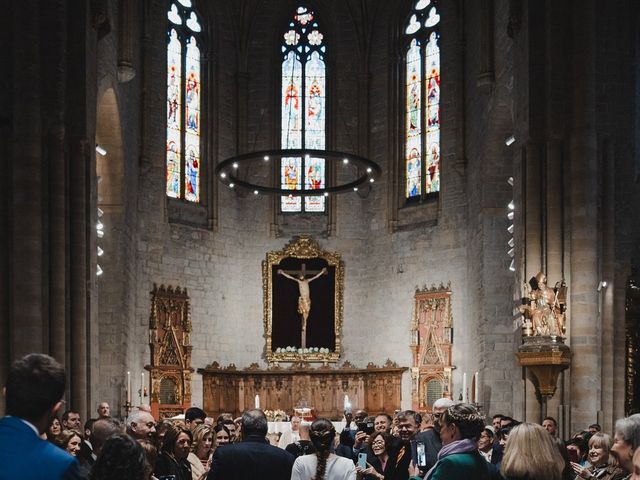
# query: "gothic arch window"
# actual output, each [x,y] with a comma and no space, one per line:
[303,105]
[422,101]
[184,105]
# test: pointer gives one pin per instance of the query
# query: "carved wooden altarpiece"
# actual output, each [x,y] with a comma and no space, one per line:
[169,338]
[431,343]
[375,389]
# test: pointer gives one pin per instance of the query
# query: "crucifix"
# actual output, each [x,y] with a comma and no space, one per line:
[304,300]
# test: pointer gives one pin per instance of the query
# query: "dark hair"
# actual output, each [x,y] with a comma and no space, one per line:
[220,427]
[254,422]
[65,415]
[322,434]
[121,458]
[194,413]
[385,436]
[171,437]
[555,422]
[224,416]
[388,417]
[103,428]
[88,425]
[596,426]
[35,384]
[465,416]
[417,418]
[582,444]
[50,436]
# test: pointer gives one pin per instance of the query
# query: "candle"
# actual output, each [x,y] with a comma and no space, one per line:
[129,388]
[476,390]
[142,388]
[464,387]
[257,401]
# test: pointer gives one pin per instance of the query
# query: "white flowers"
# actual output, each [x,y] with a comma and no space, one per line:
[302,350]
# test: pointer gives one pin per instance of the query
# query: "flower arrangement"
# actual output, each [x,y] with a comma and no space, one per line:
[276,415]
[302,350]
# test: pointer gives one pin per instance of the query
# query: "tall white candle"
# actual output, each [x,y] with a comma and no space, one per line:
[476,390]
[129,388]
[257,401]
[464,387]
[142,389]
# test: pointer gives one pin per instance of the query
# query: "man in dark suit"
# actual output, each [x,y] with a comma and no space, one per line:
[33,394]
[252,458]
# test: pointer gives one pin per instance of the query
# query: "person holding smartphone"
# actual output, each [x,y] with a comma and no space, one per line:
[374,467]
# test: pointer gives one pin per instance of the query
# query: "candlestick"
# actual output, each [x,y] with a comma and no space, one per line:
[476,390]
[464,387]
[129,388]
[257,401]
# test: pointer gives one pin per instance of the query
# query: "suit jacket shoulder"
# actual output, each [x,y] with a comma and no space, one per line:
[26,456]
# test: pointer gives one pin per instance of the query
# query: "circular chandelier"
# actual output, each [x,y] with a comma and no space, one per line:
[367,173]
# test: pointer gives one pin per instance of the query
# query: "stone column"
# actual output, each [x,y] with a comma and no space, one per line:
[26,203]
[583,218]
[79,272]
[127,16]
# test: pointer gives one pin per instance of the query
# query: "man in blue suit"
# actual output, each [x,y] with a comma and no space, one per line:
[33,394]
[252,458]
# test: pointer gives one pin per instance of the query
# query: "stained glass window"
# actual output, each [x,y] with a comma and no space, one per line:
[184,92]
[422,101]
[303,107]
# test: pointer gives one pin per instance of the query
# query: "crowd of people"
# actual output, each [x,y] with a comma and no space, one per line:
[453,442]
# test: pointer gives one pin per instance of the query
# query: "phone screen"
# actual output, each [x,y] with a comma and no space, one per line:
[421,456]
[362,460]
[572,455]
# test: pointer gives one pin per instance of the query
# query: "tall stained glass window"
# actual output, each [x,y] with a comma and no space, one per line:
[303,107]
[184,91]
[422,100]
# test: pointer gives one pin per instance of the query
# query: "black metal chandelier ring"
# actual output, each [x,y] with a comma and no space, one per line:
[226,171]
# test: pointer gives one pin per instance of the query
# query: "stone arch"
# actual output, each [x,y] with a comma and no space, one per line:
[109,167]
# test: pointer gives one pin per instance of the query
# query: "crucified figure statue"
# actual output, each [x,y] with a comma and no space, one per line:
[304,300]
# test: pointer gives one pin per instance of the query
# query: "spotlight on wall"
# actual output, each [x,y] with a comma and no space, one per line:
[100,212]
[100,149]
[511,243]
[511,252]
[512,266]
[509,140]
[510,215]
[511,205]
[99,270]
[602,284]
[100,233]
[510,229]
[510,181]
[100,252]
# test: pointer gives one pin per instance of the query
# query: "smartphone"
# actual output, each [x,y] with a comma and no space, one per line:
[362,460]
[366,427]
[421,455]
[573,455]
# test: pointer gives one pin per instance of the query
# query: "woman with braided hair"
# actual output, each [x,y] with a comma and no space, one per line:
[323,465]
[460,428]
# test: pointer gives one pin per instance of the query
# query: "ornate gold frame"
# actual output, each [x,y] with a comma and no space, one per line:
[303,247]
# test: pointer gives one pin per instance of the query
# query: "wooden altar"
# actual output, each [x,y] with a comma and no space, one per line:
[375,389]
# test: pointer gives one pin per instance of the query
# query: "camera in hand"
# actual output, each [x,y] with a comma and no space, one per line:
[366,427]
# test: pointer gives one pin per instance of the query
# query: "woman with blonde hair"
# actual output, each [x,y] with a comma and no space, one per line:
[201,451]
[531,454]
[70,441]
[601,465]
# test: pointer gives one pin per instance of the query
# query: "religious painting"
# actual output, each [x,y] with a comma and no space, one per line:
[303,291]
[431,344]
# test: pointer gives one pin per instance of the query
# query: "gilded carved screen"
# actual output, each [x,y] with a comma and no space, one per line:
[169,338]
[431,343]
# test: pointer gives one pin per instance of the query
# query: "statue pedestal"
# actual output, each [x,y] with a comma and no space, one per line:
[545,357]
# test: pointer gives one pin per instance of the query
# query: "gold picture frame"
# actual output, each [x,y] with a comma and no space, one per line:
[303,247]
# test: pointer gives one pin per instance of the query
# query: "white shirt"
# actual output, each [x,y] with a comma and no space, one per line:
[338,468]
